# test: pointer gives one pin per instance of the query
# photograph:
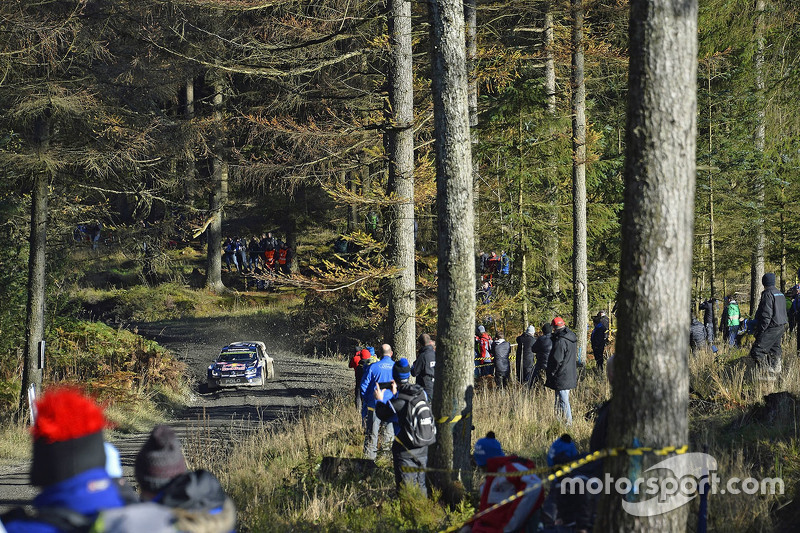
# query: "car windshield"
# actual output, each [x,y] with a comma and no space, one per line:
[237,357]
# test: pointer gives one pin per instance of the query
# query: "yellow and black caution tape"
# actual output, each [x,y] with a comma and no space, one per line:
[567,467]
[452,419]
[561,470]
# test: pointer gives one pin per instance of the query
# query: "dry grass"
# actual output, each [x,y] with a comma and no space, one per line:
[275,480]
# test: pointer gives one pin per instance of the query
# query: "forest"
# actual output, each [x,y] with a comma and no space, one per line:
[389,147]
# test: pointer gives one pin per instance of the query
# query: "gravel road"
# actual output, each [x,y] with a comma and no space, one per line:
[217,417]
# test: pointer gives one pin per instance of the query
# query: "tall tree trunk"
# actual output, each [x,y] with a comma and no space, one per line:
[219,196]
[651,372]
[188,113]
[711,247]
[471,32]
[757,264]
[523,263]
[402,300]
[580,307]
[550,241]
[34,319]
[352,209]
[453,389]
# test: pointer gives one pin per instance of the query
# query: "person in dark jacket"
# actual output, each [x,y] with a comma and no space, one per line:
[501,349]
[771,321]
[541,349]
[525,361]
[389,408]
[562,367]
[599,338]
[707,307]
[425,364]
[697,335]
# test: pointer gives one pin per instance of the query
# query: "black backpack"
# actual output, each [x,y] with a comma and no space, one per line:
[416,418]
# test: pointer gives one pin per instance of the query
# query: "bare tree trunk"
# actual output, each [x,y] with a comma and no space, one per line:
[189,182]
[757,264]
[550,241]
[523,255]
[352,209]
[471,24]
[37,272]
[711,247]
[456,294]
[402,300]
[219,197]
[651,372]
[580,307]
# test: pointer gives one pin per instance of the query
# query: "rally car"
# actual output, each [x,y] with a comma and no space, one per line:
[241,364]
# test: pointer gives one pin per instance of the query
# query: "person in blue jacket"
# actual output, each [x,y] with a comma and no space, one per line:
[68,464]
[378,374]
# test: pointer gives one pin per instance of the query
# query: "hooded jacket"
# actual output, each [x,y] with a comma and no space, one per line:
[525,344]
[771,309]
[562,370]
[424,367]
[501,349]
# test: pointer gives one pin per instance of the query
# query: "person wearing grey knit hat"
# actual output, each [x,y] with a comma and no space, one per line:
[159,461]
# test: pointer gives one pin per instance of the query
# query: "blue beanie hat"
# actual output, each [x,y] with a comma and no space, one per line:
[562,451]
[486,448]
[768,280]
[401,370]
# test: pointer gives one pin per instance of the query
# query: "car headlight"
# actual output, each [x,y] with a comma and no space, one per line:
[214,372]
[250,372]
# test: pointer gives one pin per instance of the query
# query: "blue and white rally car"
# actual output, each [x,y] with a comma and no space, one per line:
[241,364]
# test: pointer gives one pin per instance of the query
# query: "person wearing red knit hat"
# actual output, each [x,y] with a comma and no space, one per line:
[68,464]
[562,367]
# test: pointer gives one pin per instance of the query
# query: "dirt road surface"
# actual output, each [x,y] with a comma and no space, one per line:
[215,419]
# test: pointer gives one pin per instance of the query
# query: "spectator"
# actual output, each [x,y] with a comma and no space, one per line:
[482,259]
[483,356]
[525,358]
[371,223]
[68,464]
[505,264]
[573,510]
[733,320]
[541,349]
[486,448]
[425,364]
[159,461]
[485,293]
[377,374]
[256,252]
[284,258]
[199,503]
[697,335]
[562,370]
[771,321]
[599,338]
[707,307]
[241,255]
[114,471]
[500,350]
[794,313]
[228,249]
[409,412]
[723,320]
[493,263]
